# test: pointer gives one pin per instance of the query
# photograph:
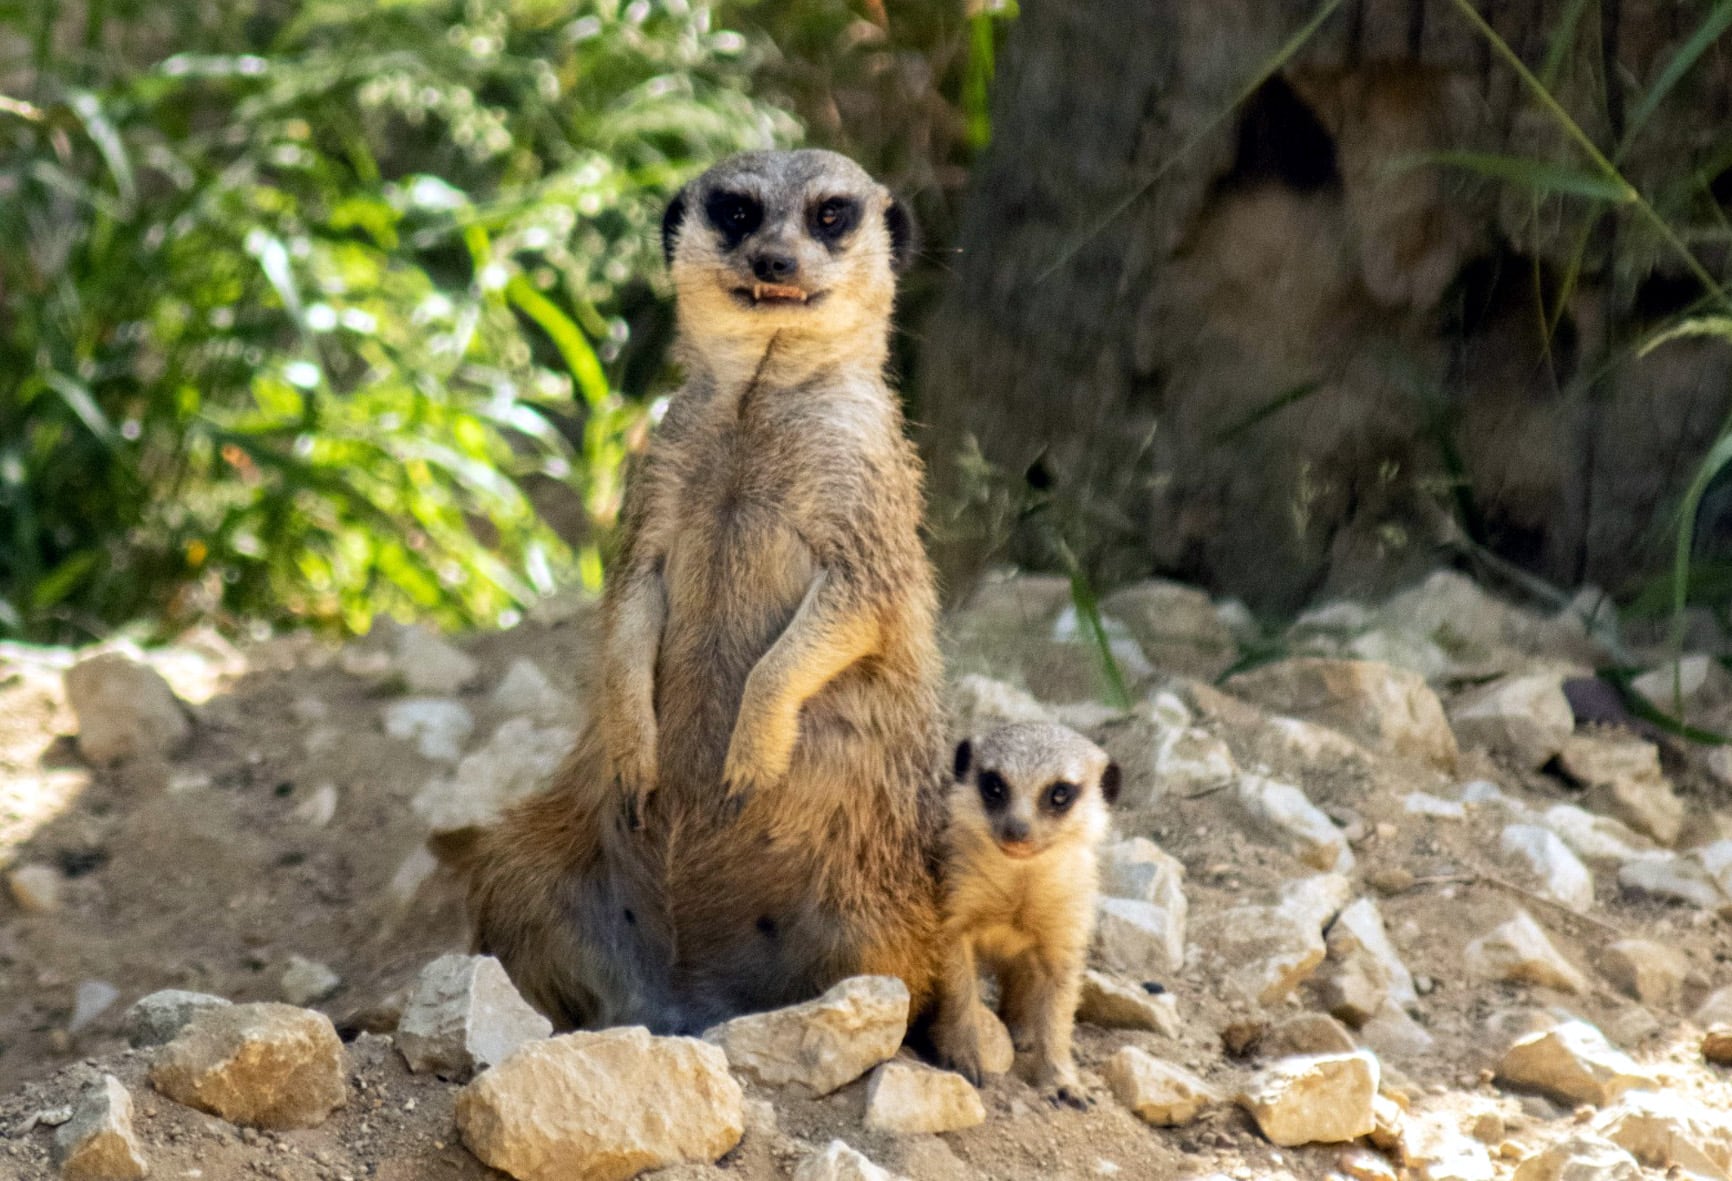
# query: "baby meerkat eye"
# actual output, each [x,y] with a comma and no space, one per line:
[834,217]
[993,790]
[1060,795]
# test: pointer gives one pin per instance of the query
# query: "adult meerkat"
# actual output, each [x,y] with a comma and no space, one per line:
[755,812]
[1028,811]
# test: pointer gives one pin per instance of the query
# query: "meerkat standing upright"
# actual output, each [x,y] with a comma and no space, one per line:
[754,813]
[1028,811]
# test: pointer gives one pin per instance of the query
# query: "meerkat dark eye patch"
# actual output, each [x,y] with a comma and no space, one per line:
[734,215]
[964,758]
[1111,781]
[994,791]
[833,219]
[1061,795]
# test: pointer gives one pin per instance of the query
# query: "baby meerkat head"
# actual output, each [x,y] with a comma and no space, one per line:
[772,241]
[1033,786]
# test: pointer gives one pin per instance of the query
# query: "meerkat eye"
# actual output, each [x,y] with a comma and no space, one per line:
[993,789]
[834,217]
[1060,795]
[733,214]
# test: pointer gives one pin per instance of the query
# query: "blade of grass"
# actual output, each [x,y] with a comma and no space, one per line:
[1539,175]
[1713,27]
[1270,66]
[1582,140]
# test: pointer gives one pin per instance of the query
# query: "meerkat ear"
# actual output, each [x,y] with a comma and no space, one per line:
[1110,783]
[672,219]
[964,758]
[901,228]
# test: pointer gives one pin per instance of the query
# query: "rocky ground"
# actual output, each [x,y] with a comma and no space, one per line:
[1400,890]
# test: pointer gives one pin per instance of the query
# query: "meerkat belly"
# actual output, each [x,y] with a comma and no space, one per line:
[734,580]
[1002,942]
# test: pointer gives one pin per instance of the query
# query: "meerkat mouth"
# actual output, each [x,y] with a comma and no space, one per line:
[776,295]
[1018,851]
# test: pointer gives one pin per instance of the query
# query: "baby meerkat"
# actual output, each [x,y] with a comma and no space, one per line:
[1028,811]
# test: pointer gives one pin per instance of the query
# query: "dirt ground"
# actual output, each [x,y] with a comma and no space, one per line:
[209,872]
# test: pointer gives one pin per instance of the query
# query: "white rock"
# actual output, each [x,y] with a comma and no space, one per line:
[431,665]
[1695,678]
[98,1143]
[1283,814]
[1671,877]
[1433,1148]
[1391,1033]
[1624,780]
[1268,951]
[90,1000]
[1312,745]
[319,808]
[1137,868]
[1133,663]
[1562,876]
[515,762]
[1385,708]
[602,1106]
[1653,973]
[907,1098]
[1178,626]
[838,1162]
[1138,939]
[1420,803]
[155,1019]
[982,702]
[1189,760]
[125,710]
[1519,952]
[1716,858]
[1318,1099]
[1351,986]
[36,888]
[1571,1062]
[412,872]
[525,691]
[1361,925]
[1157,1092]
[1594,837]
[307,982]
[437,726]
[464,1016]
[1478,793]
[826,1043]
[1524,719]
[1580,1158]
[271,1066]
[1664,1130]
[1113,1004]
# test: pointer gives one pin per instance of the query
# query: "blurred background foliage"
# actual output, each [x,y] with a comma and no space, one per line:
[312,310]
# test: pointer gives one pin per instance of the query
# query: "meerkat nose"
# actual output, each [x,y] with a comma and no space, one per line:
[771,267]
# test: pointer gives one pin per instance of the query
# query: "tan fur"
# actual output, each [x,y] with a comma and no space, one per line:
[755,813]
[1027,918]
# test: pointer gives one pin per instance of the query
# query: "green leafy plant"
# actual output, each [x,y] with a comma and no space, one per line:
[298,321]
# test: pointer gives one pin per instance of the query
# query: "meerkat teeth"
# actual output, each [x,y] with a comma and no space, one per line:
[763,291]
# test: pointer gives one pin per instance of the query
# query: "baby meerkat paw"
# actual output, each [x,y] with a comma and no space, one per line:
[1059,1085]
[974,1047]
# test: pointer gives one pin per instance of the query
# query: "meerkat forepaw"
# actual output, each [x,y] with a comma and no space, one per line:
[975,1046]
[752,765]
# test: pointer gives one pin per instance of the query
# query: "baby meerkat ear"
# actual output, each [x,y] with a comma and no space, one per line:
[901,228]
[964,758]
[1110,783]
[672,219]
